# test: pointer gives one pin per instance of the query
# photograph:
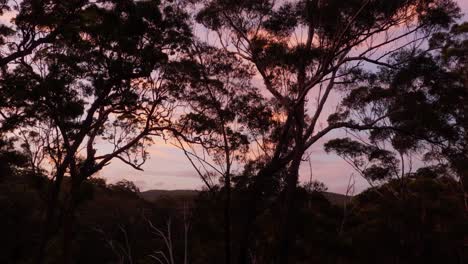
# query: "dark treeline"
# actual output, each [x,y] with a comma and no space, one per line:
[244,89]
[115,225]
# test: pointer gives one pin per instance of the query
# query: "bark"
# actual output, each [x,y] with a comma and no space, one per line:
[69,223]
[255,189]
[227,203]
[289,211]
[50,221]
[227,221]
[253,203]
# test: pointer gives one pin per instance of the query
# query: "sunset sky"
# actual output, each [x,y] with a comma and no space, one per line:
[168,168]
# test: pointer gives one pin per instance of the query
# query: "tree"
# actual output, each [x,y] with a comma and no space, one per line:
[223,113]
[427,225]
[301,74]
[424,99]
[103,80]
[34,26]
[11,160]
[454,56]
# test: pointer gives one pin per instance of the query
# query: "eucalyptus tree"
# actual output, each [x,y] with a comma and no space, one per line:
[425,100]
[454,56]
[102,81]
[36,23]
[27,26]
[223,113]
[304,51]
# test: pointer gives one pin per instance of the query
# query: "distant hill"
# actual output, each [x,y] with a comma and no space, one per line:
[154,195]
[336,198]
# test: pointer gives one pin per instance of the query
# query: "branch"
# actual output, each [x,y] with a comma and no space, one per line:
[136,167]
[373,61]
[21,53]
[370,126]
[187,154]
[322,103]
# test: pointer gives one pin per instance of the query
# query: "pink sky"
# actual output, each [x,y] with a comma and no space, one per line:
[168,168]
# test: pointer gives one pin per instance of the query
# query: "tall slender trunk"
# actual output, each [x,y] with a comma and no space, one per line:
[464,172]
[227,202]
[68,226]
[50,222]
[254,192]
[69,223]
[253,201]
[288,223]
[227,221]
[290,211]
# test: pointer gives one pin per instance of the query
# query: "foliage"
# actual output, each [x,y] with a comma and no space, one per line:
[84,83]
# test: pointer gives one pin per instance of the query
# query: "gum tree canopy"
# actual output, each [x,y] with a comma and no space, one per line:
[78,73]
[425,101]
[304,51]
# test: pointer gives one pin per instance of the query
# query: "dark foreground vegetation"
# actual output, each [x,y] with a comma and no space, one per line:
[245,89]
[424,224]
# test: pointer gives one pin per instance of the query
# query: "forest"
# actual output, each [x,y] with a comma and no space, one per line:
[244,89]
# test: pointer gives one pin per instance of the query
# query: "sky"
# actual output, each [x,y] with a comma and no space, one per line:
[169,169]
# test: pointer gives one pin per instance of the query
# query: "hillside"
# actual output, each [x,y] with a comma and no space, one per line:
[337,198]
[154,195]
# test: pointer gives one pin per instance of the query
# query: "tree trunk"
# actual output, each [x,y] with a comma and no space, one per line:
[69,224]
[227,203]
[227,220]
[464,173]
[289,211]
[50,223]
[288,223]
[255,195]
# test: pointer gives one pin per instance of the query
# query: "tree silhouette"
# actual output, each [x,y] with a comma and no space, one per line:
[424,99]
[84,83]
[222,114]
[103,80]
[301,74]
